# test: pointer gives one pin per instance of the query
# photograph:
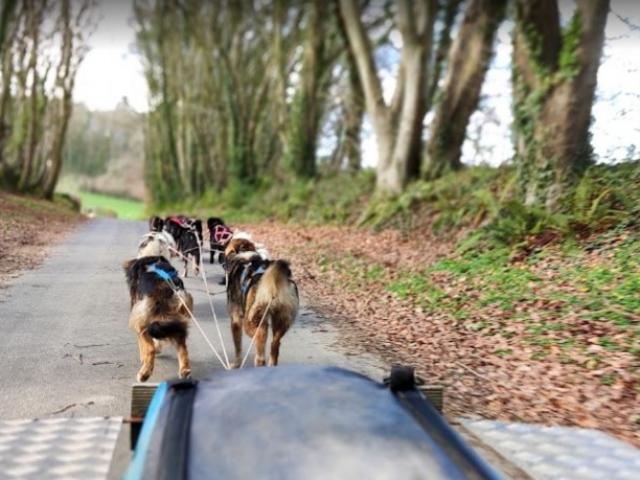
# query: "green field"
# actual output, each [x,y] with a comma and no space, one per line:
[102,204]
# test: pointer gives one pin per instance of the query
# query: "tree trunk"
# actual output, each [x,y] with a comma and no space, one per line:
[306,109]
[442,50]
[450,10]
[65,81]
[353,107]
[397,125]
[6,13]
[468,63]
[10,22]
[35,19]
[554,82]
[353,115]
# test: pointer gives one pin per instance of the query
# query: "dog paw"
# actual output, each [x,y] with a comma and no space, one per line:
[143,376]
[259,362]
[184,373]
[236,363]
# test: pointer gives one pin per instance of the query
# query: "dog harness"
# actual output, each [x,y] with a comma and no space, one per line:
[222,234]
[249,277]
[167,276]
[182,222]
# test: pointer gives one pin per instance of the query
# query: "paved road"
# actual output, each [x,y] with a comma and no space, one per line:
[67,350]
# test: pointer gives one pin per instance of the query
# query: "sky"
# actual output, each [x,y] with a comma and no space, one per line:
[112,71]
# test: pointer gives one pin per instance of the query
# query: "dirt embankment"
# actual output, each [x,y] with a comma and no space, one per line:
[28,227]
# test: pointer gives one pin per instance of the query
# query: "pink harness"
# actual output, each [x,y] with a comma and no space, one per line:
[222,234]
[180,222]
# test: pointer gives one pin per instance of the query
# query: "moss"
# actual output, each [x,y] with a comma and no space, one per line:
[533,43]
[299,157]
[540,180]
[568,62]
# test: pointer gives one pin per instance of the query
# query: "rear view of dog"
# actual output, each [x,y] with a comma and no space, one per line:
[156,244]
[187,234]
[158,311]
[219,237]
[257,289]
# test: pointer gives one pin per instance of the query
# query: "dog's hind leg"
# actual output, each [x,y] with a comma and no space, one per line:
[184,364]
[278,333]
[236,331]
[261,342]
[196,262]
[147,356]
[254,328]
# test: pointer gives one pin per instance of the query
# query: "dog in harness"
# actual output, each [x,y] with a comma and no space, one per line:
[159,311]
[260,293]
[187,234]
[159,244]
[219,237]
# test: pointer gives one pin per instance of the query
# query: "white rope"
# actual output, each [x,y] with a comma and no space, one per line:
[253,339]
[213,311]
[195,321]
[178,253]
[227,364]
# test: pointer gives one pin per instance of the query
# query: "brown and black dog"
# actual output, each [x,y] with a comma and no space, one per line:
[187,234]
[258,288]
[158,311]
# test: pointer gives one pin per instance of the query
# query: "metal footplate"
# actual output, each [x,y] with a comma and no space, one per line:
[559,452]
[57,448]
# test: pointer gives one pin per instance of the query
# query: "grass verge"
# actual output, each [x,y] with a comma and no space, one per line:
[106,205]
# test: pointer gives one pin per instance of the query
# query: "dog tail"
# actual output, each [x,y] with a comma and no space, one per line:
[276,276]
[278,293]
[277,285]
[132,272]
[167,329]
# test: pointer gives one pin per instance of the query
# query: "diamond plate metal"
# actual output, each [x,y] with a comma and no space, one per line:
[559,452]
[56,448]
